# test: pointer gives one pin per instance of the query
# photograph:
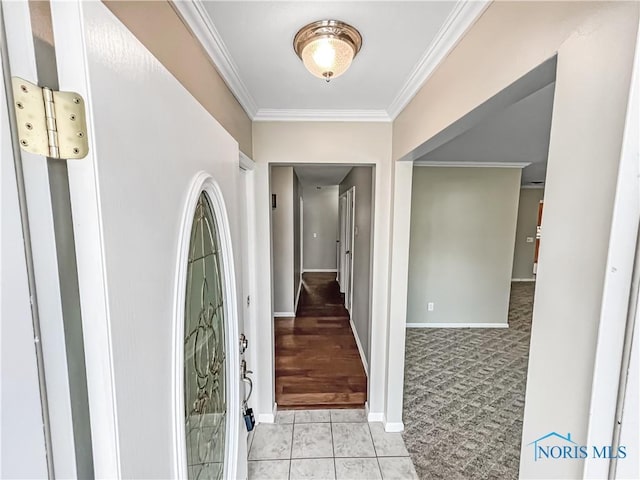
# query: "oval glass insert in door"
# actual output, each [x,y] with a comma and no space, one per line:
[204,349]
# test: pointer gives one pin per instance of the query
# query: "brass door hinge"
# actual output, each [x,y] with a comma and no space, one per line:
[50,123]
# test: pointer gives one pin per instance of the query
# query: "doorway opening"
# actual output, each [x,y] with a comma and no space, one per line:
[475,235]
[321,257]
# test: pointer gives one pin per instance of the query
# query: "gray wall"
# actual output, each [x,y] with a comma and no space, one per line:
[282,238]
[527,221]
[320,217]
[463,223]
[362,179]
[297,267]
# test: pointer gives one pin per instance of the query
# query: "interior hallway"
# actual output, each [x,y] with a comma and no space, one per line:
[464,396]
[317,360]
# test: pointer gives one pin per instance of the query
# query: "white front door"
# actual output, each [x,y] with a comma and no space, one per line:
[157,234]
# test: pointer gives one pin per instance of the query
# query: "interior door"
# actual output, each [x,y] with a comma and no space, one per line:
[342,226]
[349,246]
[159,185]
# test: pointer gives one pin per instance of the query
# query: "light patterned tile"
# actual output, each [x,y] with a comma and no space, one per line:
[271,442]
[313,416]
[313,469]
[312,440]
[397,468]
[357,469]
[269,470]
[387,444]
[352,440]
[285,416]
[348,416]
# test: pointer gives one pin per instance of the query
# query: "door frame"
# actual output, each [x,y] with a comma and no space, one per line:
[383,187]
[622,275]
[51,271]
[23,384]
[344,263]
[247,299]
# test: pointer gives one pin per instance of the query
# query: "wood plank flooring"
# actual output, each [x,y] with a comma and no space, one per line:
[317,359]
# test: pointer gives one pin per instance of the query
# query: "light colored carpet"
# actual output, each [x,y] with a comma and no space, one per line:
[464,396]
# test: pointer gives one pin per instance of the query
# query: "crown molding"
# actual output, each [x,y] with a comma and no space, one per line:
[435,163]
[459,21]
[463,16]
[197,19]
[309,115]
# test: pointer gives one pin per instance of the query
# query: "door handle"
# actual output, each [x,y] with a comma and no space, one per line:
[244,376]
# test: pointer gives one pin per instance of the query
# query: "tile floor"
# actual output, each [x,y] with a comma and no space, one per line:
[327,445]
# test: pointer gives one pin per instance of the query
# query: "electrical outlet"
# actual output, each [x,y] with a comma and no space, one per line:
[529,239]
[430,306]
[315,235]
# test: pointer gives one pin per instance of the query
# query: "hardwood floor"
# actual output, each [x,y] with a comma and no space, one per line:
[317,359]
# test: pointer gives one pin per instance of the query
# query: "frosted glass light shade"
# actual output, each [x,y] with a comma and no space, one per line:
[327,58]
[327,47]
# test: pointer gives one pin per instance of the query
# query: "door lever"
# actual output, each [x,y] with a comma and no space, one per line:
[244,376]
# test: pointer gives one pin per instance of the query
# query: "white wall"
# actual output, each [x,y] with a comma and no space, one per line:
[524,252]
[320,227]
[463,223]
[282,228]
[362,179]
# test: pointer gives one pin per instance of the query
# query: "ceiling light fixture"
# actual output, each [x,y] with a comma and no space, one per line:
[327,47]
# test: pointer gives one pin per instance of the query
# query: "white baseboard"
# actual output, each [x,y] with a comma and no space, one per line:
[319,270]
[284,314]
[523,279]
[360,349]
[375,417]
[268,417]
[457,325]
[394,427]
